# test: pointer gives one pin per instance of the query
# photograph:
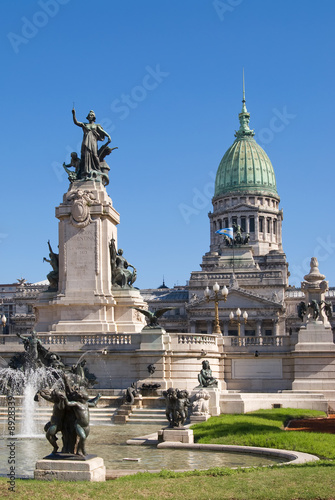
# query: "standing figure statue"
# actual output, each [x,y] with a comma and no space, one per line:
[80,405]
[302,309]
[53,276]
[56,423]
[205,376]
[119,265]
[93,132]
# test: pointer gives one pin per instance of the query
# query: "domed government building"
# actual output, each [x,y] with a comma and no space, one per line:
[267,343]
[265,346]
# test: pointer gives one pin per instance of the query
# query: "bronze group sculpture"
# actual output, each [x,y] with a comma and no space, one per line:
[70,415]
[315,307]
[92,164]
[177,405]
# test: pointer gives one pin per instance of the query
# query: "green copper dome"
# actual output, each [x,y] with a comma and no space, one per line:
[245,166]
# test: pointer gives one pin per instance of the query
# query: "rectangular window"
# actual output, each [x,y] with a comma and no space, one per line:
[250,333]
[234,220]
[233,333]
[251,224]
[275,226]
[226,222]
[261,223]
[268,225]
[268,333]
[243,224]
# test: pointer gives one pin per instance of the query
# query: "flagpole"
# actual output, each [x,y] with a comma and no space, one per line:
[233,258]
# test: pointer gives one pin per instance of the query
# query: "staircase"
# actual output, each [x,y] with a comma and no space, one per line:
[148,416]
[42,414]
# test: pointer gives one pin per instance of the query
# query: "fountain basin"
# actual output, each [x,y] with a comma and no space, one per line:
[109,442]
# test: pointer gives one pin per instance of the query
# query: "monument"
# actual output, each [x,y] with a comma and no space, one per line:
[91,287]
[314,351]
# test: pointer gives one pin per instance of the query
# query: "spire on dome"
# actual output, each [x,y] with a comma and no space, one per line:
[244,118]
[244,109]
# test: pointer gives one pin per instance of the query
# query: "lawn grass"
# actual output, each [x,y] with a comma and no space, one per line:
[266,428]
[313,481]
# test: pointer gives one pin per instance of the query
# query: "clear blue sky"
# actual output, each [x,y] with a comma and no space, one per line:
[165,79]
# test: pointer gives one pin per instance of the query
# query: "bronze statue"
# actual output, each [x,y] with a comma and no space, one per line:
[131,393]
[302,309]
[153,316]
[238,234]
[34,351]
[315,308]
[327,308]
[80,405]
[93,132]
[205,376]
[56,423]
[177,404]
[53,276]
[70,415]
[121,276]
[75,162]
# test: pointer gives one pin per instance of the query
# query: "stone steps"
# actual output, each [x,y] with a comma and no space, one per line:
[148,415]
[97,415]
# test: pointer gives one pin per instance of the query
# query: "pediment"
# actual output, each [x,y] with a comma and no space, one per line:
[237,297]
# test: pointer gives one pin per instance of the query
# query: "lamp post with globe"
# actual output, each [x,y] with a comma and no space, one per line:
[216,298]
[238,321]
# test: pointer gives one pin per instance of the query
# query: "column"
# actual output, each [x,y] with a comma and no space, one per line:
[256,227]
[225,328]
[247,226]
[209,327]
[192,326]
[259,328]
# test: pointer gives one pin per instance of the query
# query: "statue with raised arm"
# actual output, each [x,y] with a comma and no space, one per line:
[53,276]
[92,164]
[121,275]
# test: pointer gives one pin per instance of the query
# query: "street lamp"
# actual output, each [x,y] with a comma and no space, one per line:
[217,297]
[238,320]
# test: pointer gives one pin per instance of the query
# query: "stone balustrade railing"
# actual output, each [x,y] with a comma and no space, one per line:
[196,339]
[123,341]
[108,339]
[273,341]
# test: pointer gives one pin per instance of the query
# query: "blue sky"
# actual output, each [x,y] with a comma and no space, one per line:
[164,77]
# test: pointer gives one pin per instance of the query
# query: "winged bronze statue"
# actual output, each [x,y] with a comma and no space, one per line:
[154,316]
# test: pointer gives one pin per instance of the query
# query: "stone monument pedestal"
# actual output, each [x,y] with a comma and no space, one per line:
[176,435]
[315,336]
[89,469]
[126,318]
[214,400]
[85,301]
